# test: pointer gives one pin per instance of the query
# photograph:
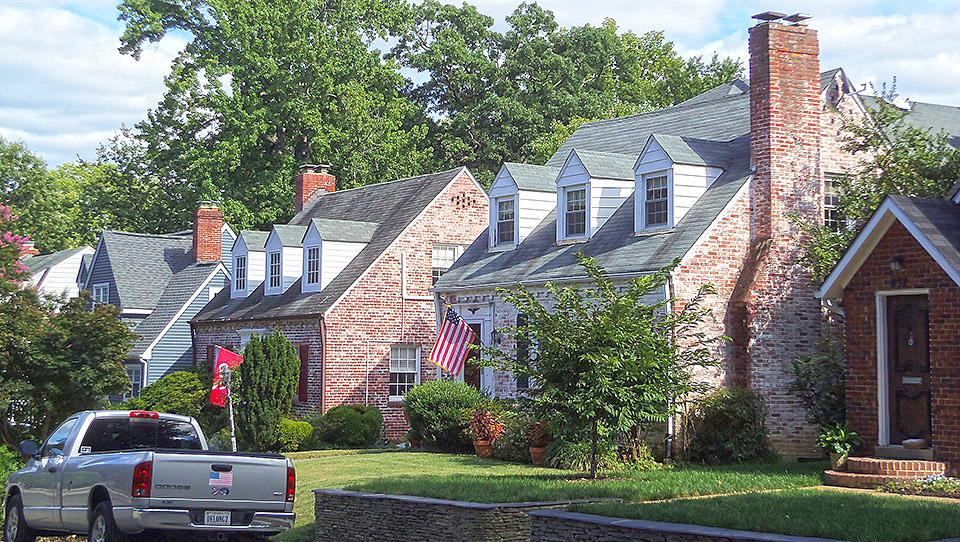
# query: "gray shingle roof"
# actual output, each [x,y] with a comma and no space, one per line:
[926,116]
[178,291]
[533,177]
[688,150]
[42,262]
[608,165]
[290,235]
[539,259]
[938,220]
[255,240]
[393,204]
[954,190]
[733,88]
[345,230]
[143,264]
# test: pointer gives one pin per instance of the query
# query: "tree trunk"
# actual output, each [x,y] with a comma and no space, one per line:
[593,452]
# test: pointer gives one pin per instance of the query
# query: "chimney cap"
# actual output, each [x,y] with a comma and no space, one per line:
[796,18]
[208,203]
[310,168]
[768,16]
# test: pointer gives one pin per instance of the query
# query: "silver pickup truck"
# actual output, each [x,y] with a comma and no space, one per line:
[116,473]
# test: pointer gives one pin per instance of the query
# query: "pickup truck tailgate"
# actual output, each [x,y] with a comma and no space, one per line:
[219,481]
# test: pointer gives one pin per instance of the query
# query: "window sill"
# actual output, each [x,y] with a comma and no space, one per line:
[395,402]
[502,248]
[573,241]
[653,231]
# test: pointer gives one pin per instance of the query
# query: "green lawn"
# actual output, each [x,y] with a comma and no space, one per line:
[858,517]
[464,477]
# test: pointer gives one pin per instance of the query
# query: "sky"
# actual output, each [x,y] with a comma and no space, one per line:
[64,87]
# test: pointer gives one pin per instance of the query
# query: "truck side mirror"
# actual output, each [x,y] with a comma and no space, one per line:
[30,448]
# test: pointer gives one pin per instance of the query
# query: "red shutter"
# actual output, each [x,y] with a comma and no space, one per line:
[304,372]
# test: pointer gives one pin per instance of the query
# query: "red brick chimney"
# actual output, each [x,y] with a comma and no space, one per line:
[310,179]
[207,231]
[27,249]
[782,316]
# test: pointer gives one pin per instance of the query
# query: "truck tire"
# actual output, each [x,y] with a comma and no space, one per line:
[15,529]
[102,526]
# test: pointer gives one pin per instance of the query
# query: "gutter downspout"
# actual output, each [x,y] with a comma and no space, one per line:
[671,429]
[323,364]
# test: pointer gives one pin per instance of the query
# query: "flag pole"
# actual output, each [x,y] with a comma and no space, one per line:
[233,433]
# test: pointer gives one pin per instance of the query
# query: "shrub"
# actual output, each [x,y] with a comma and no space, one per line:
[838,439]
[819,380]
[728,427]
[351,426]
[180,392]
[10,462]
[440,410]
[514,443]
[575,455]
[293,434]
[266,383]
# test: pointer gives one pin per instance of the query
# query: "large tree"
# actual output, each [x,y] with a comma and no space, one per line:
[266,85]
[490,94]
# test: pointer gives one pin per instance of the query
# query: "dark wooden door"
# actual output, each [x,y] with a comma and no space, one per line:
[471,372]
[908,356]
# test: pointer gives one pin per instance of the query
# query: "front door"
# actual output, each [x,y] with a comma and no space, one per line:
[908,356]
[471,372]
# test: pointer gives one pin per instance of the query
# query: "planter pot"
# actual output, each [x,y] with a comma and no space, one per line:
[838,462]
[483,448]
[414,443]
[538,455]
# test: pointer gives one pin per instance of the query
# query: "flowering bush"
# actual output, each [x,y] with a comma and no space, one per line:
[935,485]
[12,272]
[486,424]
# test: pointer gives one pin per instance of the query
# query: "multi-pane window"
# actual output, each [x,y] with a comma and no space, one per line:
[100,293]
[831,197]
[443,258]
[506,221]
[240,273]
[575,215]
[274,269]
[136,382]
[313,265]
[404,370]
[655,203]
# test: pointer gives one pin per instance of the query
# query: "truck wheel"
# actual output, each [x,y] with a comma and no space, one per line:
[102,526]
[15,529]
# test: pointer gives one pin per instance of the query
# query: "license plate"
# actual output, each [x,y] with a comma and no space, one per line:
[215,517]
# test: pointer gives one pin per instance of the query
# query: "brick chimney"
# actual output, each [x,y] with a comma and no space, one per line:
[207,231]
[27,249]
[782,316]
[310,179]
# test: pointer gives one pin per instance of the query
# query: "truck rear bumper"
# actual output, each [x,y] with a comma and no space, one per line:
[134,520]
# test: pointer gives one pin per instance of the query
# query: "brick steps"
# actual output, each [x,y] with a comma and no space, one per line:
[872,472]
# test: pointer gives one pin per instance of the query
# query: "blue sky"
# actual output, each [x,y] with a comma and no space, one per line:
[64,87]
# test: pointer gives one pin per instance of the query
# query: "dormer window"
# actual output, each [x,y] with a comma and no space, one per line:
[506,221]
[274,274]
[656,201]
[240,273]
[313,265]
[575,211]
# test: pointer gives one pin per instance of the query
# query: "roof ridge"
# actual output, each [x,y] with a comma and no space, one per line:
[150,235]
[681,105]
[457,169]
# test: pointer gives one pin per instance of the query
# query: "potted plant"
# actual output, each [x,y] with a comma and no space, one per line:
[539,439]
[485,426]
[838,440]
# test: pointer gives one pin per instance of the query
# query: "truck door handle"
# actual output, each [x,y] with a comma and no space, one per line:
[221,468]
[51,469]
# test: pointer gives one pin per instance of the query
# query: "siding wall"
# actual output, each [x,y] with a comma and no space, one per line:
[103,272]
[62,278]
[226,246]
[606,196]
[292,266]
[534,207]
[334,256]
[689,183]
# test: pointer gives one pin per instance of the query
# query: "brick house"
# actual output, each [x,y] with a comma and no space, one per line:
[712,182]
[346,281]
[899,283]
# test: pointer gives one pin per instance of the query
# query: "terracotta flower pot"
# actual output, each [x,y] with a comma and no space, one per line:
[838,462]
[538,455]
[483,448]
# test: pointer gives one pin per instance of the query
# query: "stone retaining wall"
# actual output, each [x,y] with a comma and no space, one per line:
[349,516]
[561,526]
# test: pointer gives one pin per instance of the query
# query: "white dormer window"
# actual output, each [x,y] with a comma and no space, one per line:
[575,211]
[240,273]
[275,277]
[656,209]
[100,293]
[313,265]
[506,221]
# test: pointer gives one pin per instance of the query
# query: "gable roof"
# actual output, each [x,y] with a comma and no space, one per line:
[927,116]
[393,205]
[42,262]
[933,222]
[344,230]
[289,235]
[253,239]
[142,264]
[688,150]
[607,165]
[732,88]
[533,177]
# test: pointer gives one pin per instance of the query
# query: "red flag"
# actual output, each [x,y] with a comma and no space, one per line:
[225,359]
[451,348]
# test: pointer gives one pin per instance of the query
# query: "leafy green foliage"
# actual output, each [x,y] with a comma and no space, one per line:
[10,462]
[820,382]
[728,427]
[293,434]
[936,485]
[263,389]
[513,444]
[440,411]
[180,392]
[351,426]
[606,360]
[838,439]
[577,455]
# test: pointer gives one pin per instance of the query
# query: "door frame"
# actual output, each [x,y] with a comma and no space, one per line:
[481,314]
[883,369]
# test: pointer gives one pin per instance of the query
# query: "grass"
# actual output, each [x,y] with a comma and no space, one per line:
[858,517]
[464,477]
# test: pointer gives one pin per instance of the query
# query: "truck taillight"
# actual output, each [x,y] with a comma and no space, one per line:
[291,484]
[142,479]
[144,414]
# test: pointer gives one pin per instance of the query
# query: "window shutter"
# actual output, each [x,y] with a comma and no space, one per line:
[304,372]
[523,353]
[211,356]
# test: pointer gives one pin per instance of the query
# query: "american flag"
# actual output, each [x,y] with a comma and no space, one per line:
[450,350]
[223,479]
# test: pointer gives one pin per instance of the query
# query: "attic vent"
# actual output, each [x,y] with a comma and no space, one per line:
[464,200]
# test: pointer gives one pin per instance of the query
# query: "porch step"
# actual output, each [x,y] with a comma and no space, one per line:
[899,452]
[859,480]
[895,467]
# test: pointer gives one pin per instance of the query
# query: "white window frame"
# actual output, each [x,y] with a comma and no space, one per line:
[442,268]
[516,220]
[391,371]
[240,273]
[134,390]
[270,275]
[97,289]
[562,215]
[831,197]
[668,176]
[309,260]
